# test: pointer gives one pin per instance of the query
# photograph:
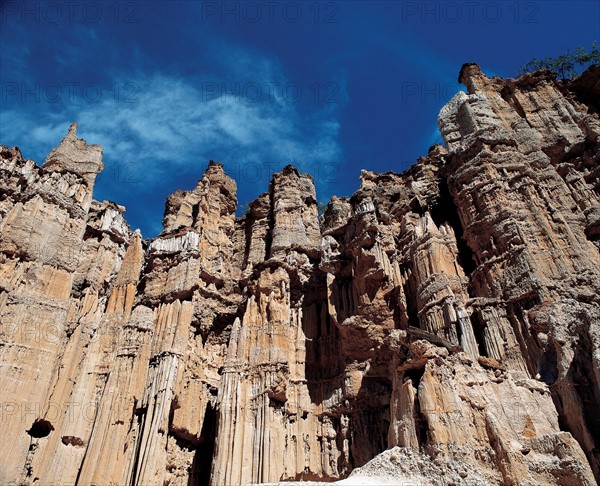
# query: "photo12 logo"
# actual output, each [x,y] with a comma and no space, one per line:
[423,92]
[56,412]
[470,12]
[270,12]
[70,12]
[68,92]
[121,172]
[269,92]
[323,172]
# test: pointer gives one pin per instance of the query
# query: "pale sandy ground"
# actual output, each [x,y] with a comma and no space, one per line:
[358,481]
[379,472]
[403,467]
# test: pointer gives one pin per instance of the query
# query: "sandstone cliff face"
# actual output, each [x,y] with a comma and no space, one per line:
[449,314]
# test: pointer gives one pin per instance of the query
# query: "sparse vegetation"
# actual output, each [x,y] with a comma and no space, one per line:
[567,66]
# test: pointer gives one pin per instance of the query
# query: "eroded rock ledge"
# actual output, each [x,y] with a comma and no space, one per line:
[450,314]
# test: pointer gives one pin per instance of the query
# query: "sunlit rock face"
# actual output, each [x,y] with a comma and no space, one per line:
[441,325]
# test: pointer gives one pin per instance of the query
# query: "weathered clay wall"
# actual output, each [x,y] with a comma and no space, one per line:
[452,310]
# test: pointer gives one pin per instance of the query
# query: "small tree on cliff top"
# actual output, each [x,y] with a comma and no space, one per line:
[568,65]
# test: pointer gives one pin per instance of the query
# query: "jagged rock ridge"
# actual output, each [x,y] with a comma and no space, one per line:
[450,313]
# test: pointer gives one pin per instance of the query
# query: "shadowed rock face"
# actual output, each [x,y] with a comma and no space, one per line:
[451,313]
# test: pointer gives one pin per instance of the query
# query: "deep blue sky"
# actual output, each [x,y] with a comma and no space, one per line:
[332,87]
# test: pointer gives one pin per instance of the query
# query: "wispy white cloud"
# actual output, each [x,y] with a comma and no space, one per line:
[170,117]
[164,123]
